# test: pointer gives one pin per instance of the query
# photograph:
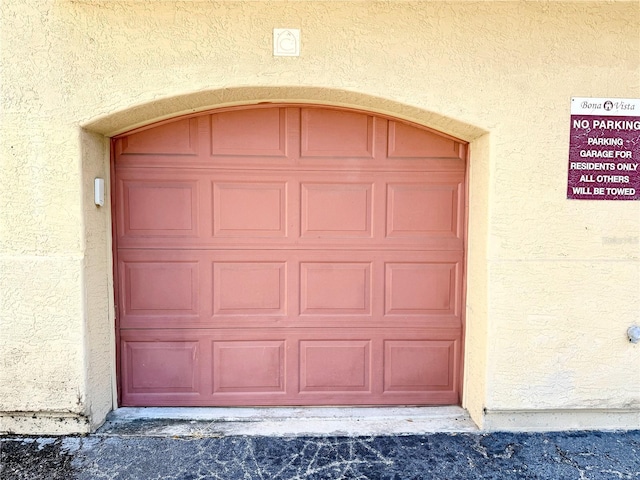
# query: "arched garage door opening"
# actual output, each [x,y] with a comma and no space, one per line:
[289,255]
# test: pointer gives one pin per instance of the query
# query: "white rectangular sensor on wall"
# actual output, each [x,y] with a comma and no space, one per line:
[98,191]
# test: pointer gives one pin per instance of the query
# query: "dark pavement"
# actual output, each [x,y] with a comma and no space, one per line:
[565,455]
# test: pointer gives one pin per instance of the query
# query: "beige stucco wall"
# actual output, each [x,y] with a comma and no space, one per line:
[553,284]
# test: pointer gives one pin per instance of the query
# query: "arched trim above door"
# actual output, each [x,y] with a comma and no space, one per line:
[114,123]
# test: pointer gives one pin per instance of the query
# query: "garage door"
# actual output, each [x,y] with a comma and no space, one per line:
[288,255]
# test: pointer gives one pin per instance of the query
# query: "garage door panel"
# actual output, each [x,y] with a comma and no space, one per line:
[249,209]
[422,210]
[335,133]
[312,209]
[289,256]
[249,288]
[336,210]
[158,287]
[227,288]
[161,366]
[335,288]
[174,138]
[290,366]
[419,365]
[421,288]
[255,133]
[335,366]
[159,208]
[163,288]
[249,366]
[406,141]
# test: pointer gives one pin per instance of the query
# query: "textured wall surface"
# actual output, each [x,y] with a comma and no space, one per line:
[552,286]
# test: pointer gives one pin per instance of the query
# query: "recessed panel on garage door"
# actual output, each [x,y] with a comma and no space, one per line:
[248,366]
[418,365]
[249,209]
[335,366]
[249,288]
[161,367]
[420,288]
[332,288]
[336,210]
[249,133]
[419,209]
[176,138]
[161,286]
[336,134]
[162,208]
[406,141]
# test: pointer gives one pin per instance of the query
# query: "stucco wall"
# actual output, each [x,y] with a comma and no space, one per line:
[550,294]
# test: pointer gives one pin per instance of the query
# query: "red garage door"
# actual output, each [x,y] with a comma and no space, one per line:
[289,256]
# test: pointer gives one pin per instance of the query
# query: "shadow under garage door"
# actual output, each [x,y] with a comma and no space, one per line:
[289,255]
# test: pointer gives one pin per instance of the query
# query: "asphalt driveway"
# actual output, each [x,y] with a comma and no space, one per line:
[566,455]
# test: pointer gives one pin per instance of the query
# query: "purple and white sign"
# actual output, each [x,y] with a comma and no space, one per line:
[604,149]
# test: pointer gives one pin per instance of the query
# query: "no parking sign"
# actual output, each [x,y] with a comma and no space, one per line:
[604,149]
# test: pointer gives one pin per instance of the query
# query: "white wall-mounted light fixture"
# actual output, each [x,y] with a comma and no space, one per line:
[98,191]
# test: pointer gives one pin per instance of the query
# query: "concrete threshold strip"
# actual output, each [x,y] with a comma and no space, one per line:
[285,421]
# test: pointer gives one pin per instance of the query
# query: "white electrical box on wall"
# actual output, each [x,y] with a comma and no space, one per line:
[286,42]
